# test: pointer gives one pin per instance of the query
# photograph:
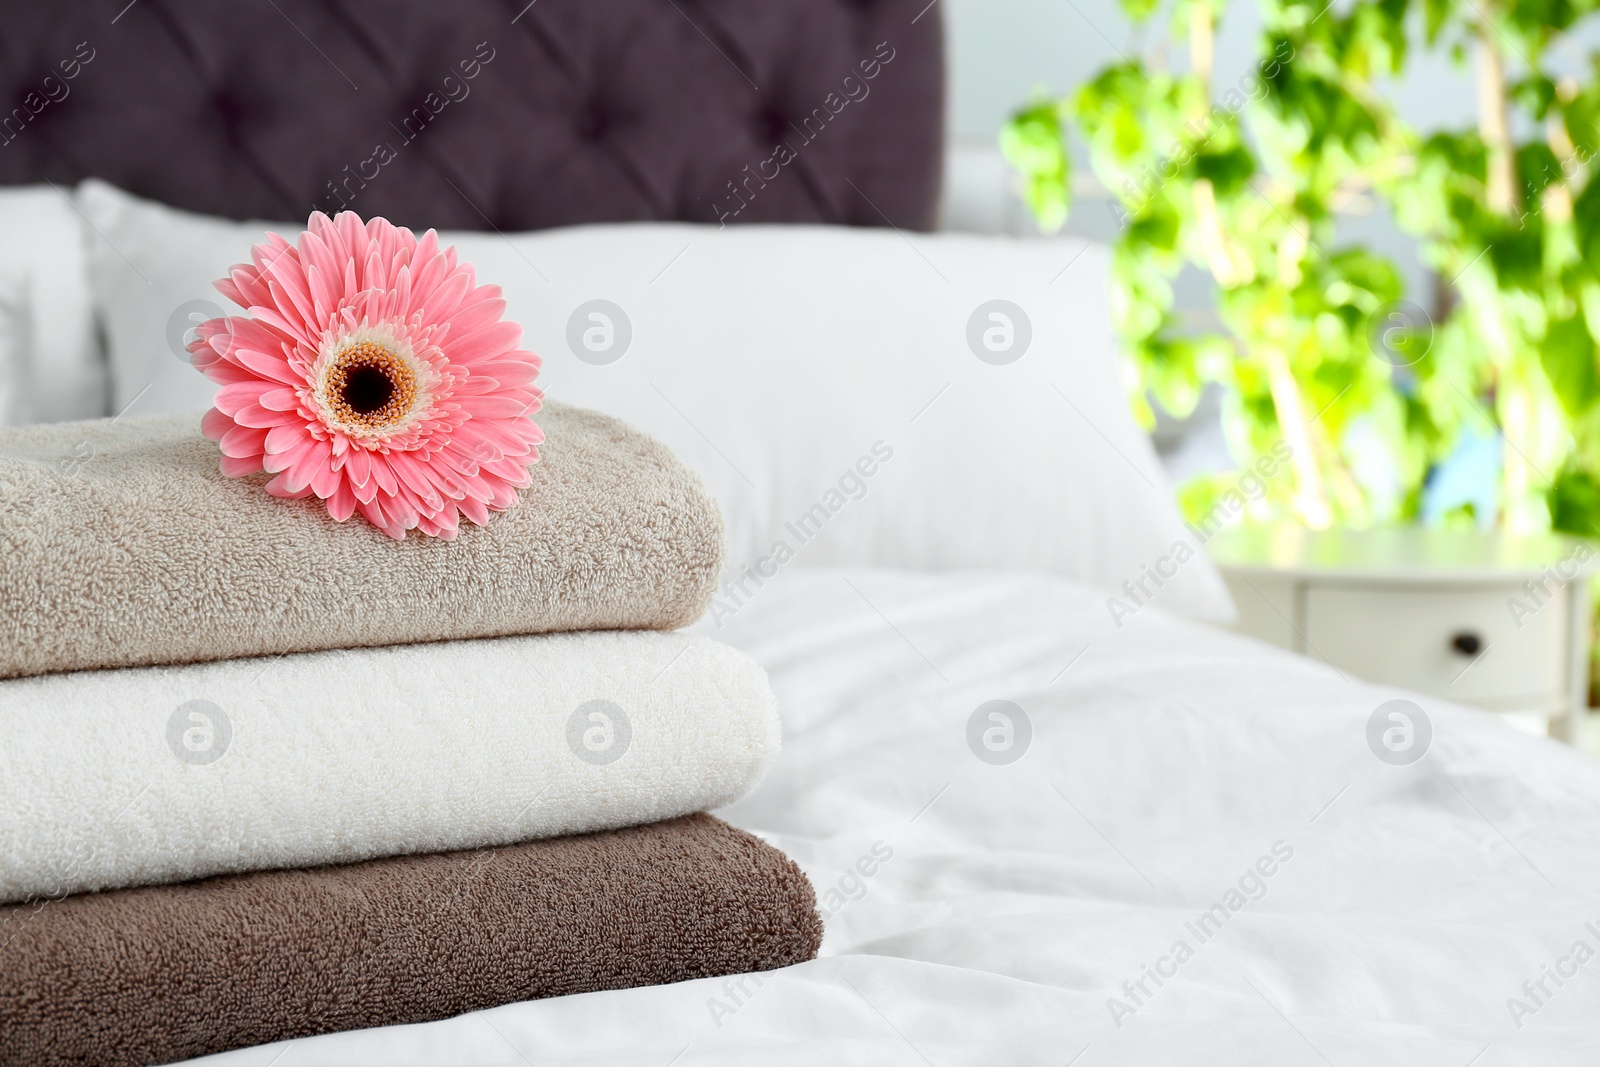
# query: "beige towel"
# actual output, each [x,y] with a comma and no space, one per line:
[139,976]
[122,544]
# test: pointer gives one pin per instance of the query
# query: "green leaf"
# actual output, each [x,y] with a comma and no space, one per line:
[1034,142]
[1434,15]
[1574,500]
[1568,358]
[1229,171]
[1156,228]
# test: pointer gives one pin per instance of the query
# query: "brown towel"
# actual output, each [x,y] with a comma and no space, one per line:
[151,975]
[122,544]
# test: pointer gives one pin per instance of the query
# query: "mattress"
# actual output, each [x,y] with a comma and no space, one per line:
[1016,889]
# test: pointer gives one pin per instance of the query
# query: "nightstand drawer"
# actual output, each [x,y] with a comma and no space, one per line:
[1423,639]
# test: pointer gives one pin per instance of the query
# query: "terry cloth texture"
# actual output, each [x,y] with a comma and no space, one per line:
[151,975]
[123,544]
[152,775]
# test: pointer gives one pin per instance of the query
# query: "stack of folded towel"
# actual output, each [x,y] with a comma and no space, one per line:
[301,778]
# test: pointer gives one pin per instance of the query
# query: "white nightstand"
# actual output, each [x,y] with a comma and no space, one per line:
[1498,622]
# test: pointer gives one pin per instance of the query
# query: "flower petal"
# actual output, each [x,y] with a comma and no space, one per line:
[511,373]
[342,504]
[279,487]
[281,439]
[493,407]
[274,463]
[484,343]
[241,466]
[324,479]
[213,424]
[259,417]
[243,442]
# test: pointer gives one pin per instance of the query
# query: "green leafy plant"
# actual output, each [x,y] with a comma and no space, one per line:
[1246,179]
[1514,226]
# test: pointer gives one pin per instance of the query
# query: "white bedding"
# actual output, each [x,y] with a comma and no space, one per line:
[1167,760]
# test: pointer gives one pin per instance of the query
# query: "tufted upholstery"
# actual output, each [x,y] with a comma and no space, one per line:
[585,110]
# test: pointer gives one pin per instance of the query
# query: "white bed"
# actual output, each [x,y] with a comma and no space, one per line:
[1166,760]
[983,912]
[949,405]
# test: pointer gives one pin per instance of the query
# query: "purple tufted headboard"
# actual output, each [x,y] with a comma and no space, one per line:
[477,114]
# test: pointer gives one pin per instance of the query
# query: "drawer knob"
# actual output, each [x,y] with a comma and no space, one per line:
[1467,643]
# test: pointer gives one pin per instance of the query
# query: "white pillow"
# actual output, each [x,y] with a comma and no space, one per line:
[51,368]
[836,388]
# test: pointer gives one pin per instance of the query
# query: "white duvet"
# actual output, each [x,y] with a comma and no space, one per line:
[1181,787]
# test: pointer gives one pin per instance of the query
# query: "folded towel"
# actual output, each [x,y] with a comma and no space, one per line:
[150,975]
[150,775]
[122,544]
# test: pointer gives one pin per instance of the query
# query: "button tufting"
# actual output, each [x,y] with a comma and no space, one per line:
[228,107]
[33,95]
[771,125]
[577,113]
[592,122]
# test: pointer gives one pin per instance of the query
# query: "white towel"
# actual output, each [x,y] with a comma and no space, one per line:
[153,775]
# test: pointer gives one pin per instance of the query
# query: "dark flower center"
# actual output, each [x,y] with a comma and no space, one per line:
[366,389]
[370,389]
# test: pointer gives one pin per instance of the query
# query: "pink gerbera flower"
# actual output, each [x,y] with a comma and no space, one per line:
[373,374]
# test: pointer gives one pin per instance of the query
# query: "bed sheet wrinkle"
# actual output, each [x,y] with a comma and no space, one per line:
[980,913]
